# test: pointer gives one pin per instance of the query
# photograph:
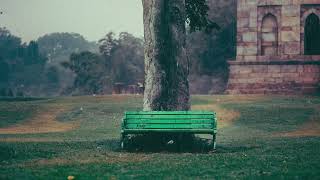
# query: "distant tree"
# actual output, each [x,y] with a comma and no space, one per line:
[20,64]
[4,71]
[108,44]
[10,93]
[30,53]
[9,44]
[90,69]
[123,57]
[120,60]
[52,74]
[59,46]
[33,53]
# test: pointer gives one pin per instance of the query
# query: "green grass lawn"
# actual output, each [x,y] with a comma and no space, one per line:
[252,141]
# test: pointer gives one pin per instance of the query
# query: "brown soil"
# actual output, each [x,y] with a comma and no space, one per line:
[225,117]
[108,158]
[311,128]
[44,122]
[235,98]
[27,139]
[308,129]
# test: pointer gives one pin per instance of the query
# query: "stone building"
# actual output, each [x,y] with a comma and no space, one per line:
[278,47]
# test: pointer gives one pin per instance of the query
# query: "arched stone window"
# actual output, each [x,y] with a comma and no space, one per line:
[312,35]
[269,35]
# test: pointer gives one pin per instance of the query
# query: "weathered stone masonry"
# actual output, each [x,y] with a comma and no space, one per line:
[278,47]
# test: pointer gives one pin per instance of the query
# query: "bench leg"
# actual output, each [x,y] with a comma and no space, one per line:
[123,141]
[214,143]
[180,142]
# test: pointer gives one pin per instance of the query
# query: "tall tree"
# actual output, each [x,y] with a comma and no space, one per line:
[166,63]
[166,60]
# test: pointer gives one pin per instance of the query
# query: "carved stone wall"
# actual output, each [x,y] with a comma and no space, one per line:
[274,78]
[270,48]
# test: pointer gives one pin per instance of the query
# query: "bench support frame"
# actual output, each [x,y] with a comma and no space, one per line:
[126,131]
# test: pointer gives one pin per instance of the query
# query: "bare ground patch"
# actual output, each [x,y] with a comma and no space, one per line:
[29,139]
[308,129]
[111,158]
[44,122]
[242,98]
[235,98]
[225,117]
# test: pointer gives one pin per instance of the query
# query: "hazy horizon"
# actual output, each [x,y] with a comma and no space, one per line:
[93,19]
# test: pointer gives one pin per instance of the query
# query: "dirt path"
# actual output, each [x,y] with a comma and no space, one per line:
[308,129]
[44,122]
[109,158]
[225,117]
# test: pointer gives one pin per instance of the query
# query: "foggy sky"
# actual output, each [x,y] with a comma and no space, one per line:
[30,19]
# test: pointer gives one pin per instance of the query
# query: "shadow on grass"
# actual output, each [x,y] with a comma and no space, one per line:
[175,143]
[183,143]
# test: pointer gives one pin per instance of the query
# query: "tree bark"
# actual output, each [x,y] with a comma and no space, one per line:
[166,61]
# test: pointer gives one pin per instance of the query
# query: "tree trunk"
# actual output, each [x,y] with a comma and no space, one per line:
[166,62]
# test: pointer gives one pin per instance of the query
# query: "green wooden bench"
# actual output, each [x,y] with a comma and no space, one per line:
[195,122]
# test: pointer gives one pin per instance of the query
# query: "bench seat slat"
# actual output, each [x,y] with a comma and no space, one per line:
[170,121]
[170,113]
[198,131]
[164,116]
[169,126]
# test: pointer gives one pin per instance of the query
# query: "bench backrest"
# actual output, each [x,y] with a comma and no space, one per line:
[170,120]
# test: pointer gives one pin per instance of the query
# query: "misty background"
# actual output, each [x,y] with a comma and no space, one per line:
[82,47]
[30,19]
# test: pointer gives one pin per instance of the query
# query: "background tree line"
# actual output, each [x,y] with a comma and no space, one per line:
[68,64]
